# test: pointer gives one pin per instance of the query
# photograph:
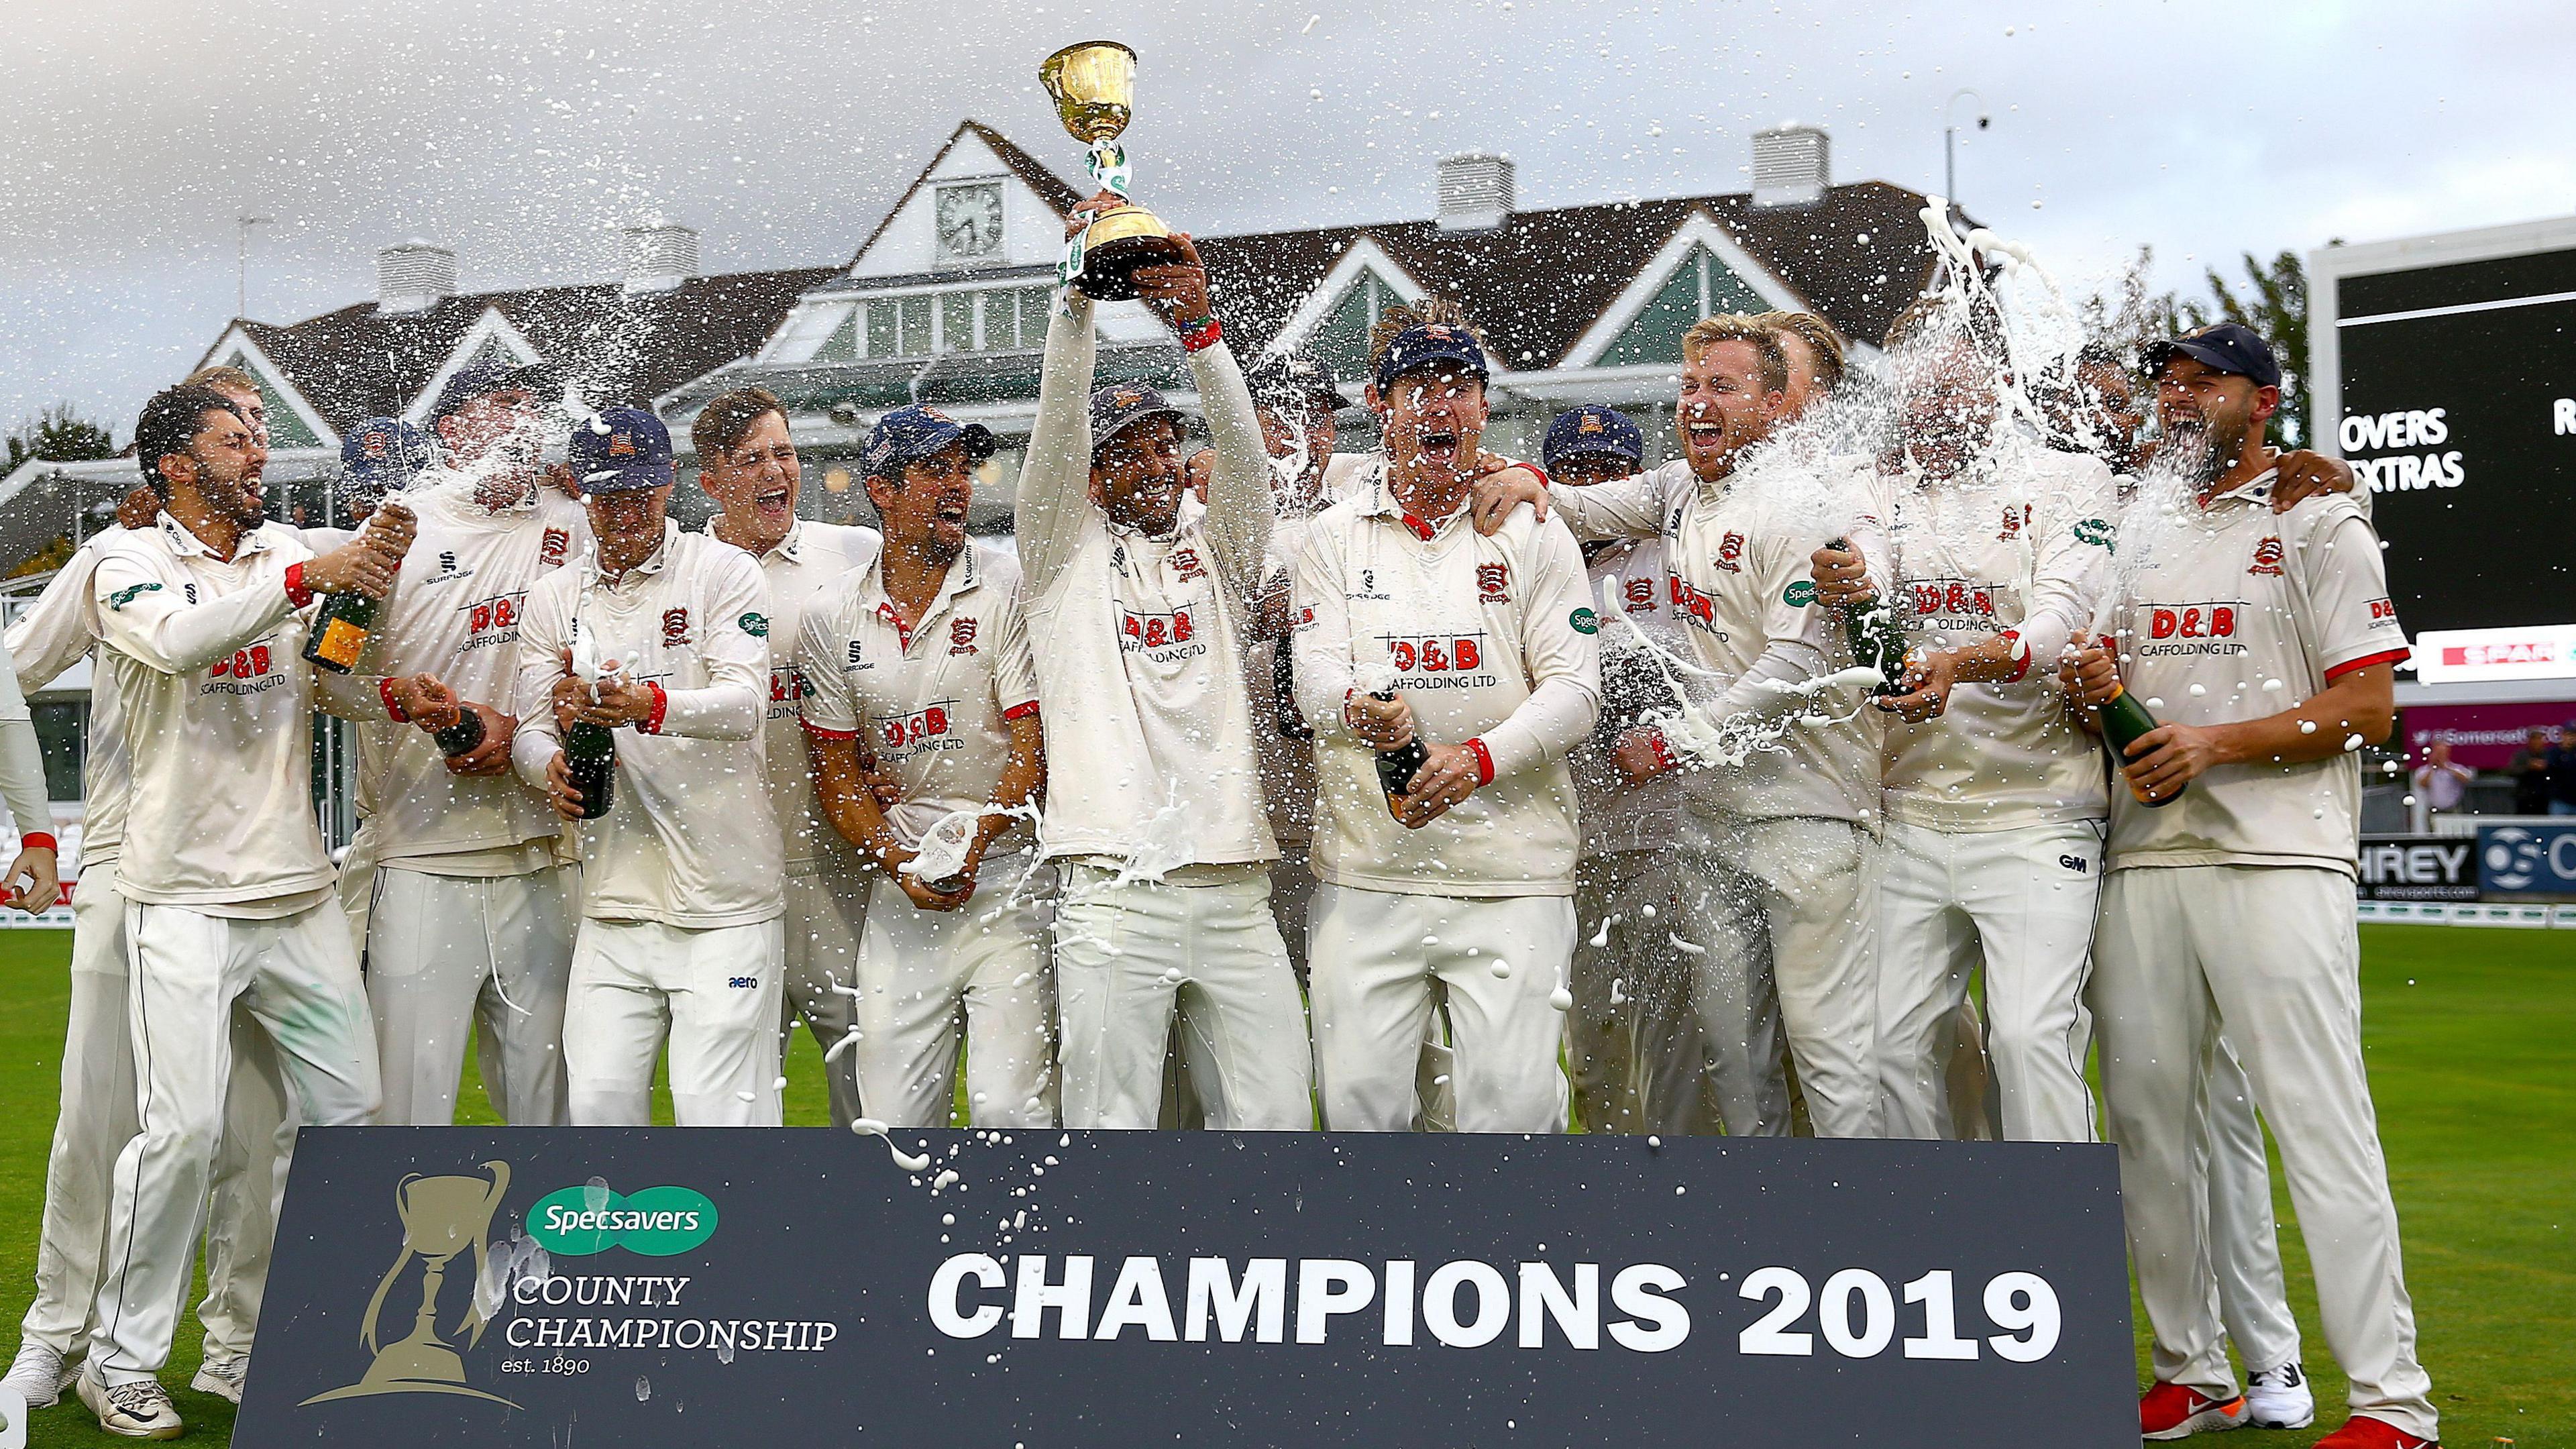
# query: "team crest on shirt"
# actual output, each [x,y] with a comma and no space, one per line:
[1492,583]
[2015,520]
[961,636]
[1730,553]
[2267,558]
[675,628]
[1639,592]
[1186,565]
[550,550]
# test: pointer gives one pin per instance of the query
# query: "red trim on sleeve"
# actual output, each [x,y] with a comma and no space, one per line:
[1544,480]
[1484,761]
[38,840]
[1663,749]
[1021,711]
[1349,696]
[296,593]
[2385,656]
[661,707]
[824,732]
[393,711]
[2021,651]
[1202,337]
[1421,530]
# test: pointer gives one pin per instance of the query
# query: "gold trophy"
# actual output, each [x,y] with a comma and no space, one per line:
[442,1217]
[1094,88]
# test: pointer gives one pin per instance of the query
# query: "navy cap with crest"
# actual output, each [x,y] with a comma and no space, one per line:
[1291,379]
[910,434]
[1121,406]
[2226,346]
[621,450]
[1592,431]
[1430,344]
[477,379]
[383,455]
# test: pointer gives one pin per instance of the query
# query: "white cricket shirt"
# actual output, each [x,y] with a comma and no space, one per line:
[2222,604]
[689,839]
[48,639]
[933,697]
[1491,641]
[1614,815]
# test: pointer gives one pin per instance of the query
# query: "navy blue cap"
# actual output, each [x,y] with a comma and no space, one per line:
[476,379]
[1591,431]
[1287,379]
[2226,346]
[383,455]
[621,450]
[910,434]
[1122,405]
[1415,348]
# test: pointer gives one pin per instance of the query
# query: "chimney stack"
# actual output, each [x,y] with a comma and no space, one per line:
[1475,191]
[660,256]
[1792,166]
[414,276]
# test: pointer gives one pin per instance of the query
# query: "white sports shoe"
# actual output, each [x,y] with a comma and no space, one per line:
[222,1377]
[2279,1399]
[39,1375]
[139,1410]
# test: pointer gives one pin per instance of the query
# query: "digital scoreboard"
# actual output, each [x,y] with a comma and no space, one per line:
[2445,372]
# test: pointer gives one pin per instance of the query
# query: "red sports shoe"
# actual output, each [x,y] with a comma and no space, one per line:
[2170,1411]
[2364,1432]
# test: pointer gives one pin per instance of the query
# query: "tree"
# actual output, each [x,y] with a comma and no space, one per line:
[58,435]
[2275,305]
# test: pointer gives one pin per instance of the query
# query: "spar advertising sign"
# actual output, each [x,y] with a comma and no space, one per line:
[2445,372]
[1049,1290]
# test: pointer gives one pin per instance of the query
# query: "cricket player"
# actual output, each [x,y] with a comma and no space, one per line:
[1641,1062]
[1461,890]
[472,909]
[922,651]
[1800,818]
[33,881]
[228,889]
[749,465]
[681,897]
[1994,798]
[2232,905]
[1137,615]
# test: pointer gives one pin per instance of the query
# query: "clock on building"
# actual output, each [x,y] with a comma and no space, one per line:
[970,223]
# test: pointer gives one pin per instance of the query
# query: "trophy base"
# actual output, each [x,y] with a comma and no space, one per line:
[1115,245]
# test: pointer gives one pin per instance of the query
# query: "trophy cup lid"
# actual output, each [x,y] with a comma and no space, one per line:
[1093,85]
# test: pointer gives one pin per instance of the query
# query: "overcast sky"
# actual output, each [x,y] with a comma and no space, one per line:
[524,133]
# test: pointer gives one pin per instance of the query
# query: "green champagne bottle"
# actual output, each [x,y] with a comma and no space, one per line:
[590,753]
[340,631]
[1877,639]
[2124,720]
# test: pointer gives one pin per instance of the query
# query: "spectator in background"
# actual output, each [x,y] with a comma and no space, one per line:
[2562,771]
[2440,786]
[2530,771]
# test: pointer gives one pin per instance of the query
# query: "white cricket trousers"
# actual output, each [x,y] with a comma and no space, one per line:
[1669,1037]
[2017,904]
[827,908]
[2269,954]
[926,978]
[1819,902]
[489,955]
[297,975]
[97,1119]
[712,992]
[2244,1242]
[1129,957]
[1383,960]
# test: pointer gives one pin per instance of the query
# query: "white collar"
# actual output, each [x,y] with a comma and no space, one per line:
[653,564]
[186,544]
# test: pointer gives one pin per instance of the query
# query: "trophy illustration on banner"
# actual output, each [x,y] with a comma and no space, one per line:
[441,1217]
[1094,88]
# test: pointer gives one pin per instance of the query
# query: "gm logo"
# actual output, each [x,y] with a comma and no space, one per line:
[2075,863]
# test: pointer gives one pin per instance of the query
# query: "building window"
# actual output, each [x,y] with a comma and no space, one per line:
[957,322]
[969,219]
[1342,338]
[915,339]
[1702,286]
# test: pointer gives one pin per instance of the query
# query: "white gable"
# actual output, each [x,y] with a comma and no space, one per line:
[303,425]
[490,339]
[1032,233]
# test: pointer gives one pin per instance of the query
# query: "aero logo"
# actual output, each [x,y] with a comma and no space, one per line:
[654,1223]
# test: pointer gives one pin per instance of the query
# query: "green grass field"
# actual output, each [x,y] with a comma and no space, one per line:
[2467,1033]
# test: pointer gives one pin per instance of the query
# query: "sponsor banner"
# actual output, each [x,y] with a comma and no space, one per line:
[2481,736]
[666,1286]
[2480,656]
[2527,860]
[2419,868]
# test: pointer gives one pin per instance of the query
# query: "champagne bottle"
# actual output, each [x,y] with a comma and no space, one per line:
[1877,639]
[1396,767]
[462,737]
[590,752]
[340,630]
[1283,693]
[2123,721]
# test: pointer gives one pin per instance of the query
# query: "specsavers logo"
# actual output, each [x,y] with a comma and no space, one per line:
[655,1222]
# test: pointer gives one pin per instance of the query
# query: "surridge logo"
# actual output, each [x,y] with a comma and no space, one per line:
[441,1218]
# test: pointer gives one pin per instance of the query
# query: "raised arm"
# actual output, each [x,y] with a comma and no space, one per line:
[1560,640]
[730,705]
[60,627]
[1054,499]
[158,627]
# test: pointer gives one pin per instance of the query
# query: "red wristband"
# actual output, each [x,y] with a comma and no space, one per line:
[1663,749]
[39,840]
[1484,761]
[1202,335]
[296,593]
[2021,652]
[661,706]
[393,710]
